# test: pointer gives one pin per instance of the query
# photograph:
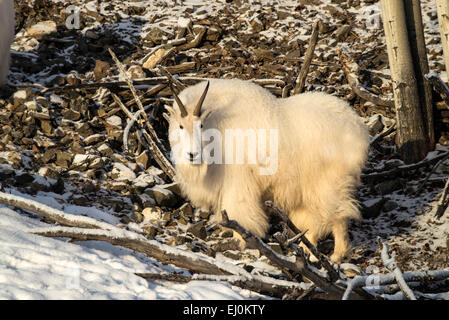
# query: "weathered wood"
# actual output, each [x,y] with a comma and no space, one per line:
[152,248]
[156,147]
[183,67]
[301,80]
[257,283]
[392,173]
[391,264]
[439,86]
[298,266]
[52,213]
[411,138]
[195,42]
[417,42]
[284,217]
[443,21]
[351,70]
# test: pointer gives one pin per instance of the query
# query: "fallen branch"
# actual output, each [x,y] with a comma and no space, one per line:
[154,144]
[301,80]
[137,99]
[52,213]
[443,203]
[321,258]
[380,283]
[367,177]
[351,70]
[151,82]
[299,265]
[439,86]
[152,248]
[209,268]
[391,264]
[195,42]
[128,127]
[432,171]
[382,135]
[178,84]
[261,284]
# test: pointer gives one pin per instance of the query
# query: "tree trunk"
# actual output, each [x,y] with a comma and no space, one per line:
[443,21]
[419,55]
[411,139]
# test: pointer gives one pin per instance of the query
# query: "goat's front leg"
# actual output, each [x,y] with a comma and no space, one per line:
[341,240]
[247,211]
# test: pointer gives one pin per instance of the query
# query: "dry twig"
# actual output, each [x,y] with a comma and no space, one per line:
[298,266]
[301,80]
[391,264]
[439,86]
[351,70]
[257,283]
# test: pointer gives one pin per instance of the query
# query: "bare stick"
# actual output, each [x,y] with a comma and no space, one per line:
[197,263]
[351,70]
[298,266]
[127,128]
[52,213]
[139,103]
[156,153]
[439,86]
[155,81]
[323,260]
[443,202]
[400,169]
[301,80]
[152,248]
[195,42]
[381,135]
[178,84]
[432,171]
[391,264]
[159,157]
[431,279]
[256,283]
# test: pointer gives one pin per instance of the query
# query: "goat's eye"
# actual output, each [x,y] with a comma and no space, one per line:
[201,126]
[181,127]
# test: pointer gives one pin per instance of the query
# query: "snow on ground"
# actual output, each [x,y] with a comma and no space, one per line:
[35,267]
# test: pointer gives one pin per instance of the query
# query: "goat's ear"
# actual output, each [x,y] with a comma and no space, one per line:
[204,115]
[170,110]
[166,116]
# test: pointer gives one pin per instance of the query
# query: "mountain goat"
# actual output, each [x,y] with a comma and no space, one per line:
[6,36]
[317,145]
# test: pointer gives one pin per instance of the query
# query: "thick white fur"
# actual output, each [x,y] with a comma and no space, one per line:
[323,145]
[6,36]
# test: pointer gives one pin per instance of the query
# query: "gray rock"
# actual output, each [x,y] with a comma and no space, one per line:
[70,114]
[387,187]
[198,230]
[162,196]
[390,205]
[375,124]
[186,210]
[372,208]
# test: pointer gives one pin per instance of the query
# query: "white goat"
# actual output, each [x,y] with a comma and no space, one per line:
[6,36]
[322,146]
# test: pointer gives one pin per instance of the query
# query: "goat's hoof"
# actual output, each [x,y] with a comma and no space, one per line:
[336,258]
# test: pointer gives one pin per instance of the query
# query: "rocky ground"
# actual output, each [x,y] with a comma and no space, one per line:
[67,143]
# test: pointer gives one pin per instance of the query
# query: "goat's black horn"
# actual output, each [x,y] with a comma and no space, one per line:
[197,110]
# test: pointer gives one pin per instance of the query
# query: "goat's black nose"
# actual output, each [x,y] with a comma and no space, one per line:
[193,155]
